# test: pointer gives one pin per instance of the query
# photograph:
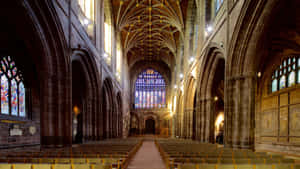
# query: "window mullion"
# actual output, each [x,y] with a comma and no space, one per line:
[9,96]
[18,91]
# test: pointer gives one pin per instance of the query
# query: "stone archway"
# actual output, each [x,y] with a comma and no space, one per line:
[108,108]
[79,101]
[210,90]
[265,33]
[47,62]
[85,96]
[188,112]
[150,126]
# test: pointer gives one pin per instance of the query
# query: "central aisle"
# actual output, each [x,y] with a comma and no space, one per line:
[147,157]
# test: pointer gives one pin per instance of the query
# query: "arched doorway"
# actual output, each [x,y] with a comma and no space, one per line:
[217,91]
[210,93]
[150,126]
[78,101]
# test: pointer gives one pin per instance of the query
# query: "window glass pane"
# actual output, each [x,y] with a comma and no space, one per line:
[3,66]
[22,100]
[292,78]
[289,61]
[282,82]
[4,95]
[14,71]
[299,76]
[274,85]
[14,98]
[150,82]
[12,89]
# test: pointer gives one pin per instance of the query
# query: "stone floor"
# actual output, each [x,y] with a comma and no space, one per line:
[147,157]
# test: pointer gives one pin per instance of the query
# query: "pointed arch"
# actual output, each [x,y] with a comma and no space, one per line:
[205,98]
[83,63]
[36,28]
[107,107]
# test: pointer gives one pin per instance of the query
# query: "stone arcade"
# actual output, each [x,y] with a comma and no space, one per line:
[150,84]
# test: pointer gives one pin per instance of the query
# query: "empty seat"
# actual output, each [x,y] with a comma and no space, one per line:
[5,166]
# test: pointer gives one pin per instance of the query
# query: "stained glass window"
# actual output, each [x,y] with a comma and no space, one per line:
[287,74]
[282,82]
[4,95]
[150,90]
[21,100]
[12,88]
[14,98]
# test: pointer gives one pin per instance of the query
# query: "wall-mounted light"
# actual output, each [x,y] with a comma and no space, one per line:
[192,59]
[180,75]
[105,55]
[209,29]
[175,86]
[76,110]
[216,98]
[259,74]
[86,21]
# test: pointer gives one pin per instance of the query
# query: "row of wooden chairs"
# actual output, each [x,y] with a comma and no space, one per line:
[183,153]
[101,155]
[233,166]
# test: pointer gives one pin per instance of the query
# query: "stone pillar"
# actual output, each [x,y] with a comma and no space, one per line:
[239,112]
[207,113]
[202,120]
[56,114]
[198,122]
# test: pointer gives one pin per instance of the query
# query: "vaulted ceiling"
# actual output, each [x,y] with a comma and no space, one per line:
[150,29]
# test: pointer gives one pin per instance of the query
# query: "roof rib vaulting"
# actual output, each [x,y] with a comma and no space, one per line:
[149,29]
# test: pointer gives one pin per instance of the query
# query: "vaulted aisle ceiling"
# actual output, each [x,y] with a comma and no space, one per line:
[150,29]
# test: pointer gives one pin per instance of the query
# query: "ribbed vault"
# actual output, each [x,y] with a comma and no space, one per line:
[149,29]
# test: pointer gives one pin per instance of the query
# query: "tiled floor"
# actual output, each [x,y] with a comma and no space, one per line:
[147,157]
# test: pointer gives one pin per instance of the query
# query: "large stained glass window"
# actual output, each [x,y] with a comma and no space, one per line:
[12,88]
[287,74]
[150,90]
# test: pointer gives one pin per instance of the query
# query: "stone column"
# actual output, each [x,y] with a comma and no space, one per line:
[56,114]
[202,120]
[239,112]
[198,122]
